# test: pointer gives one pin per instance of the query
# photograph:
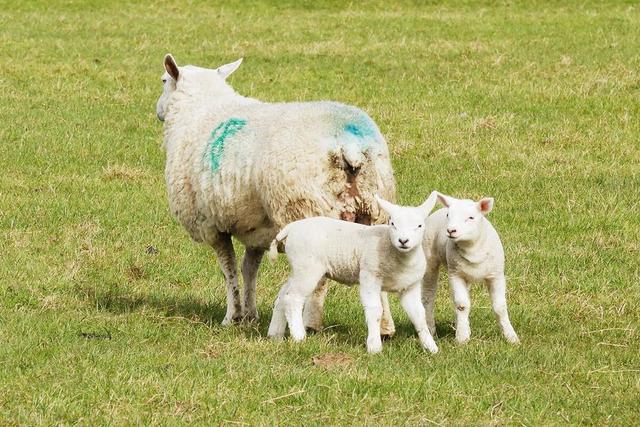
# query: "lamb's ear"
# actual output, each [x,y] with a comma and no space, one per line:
[226,69]
[485,205]
[388,207]
[445,200]
[428,205]
[171,66]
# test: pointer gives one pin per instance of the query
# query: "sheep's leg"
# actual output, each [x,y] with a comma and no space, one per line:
[372,303]
[497,291]
[429,289]
[312,313]
[278,324]
[387,327]
[250,264]
[300,287]
[227,260]
[462,305]
[410,301]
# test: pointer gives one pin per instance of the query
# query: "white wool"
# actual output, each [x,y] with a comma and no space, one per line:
[381,258]
[240,167]
[461,238]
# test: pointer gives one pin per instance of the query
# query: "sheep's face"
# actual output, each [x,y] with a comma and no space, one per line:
[200,81]
[465,217]
[407,224]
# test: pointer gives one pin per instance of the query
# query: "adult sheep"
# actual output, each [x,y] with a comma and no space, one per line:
[237,166]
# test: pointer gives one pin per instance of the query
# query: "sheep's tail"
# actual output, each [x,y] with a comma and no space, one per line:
[273,248]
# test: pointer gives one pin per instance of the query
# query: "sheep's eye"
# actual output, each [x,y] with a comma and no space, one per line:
[164,80]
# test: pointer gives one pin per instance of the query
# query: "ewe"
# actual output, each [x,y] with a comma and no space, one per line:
[382,258]
[461,238]
[240,167]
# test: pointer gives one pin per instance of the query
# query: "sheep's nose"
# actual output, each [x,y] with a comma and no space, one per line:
[451,230]
[403,241]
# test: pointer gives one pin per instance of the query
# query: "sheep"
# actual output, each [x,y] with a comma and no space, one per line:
[462,238]
[236,166]
[381,257]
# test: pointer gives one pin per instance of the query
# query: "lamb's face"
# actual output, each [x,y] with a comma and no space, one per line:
[465,217]
[407,224]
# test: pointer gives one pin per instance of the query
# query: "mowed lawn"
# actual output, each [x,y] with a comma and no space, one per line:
[109,314]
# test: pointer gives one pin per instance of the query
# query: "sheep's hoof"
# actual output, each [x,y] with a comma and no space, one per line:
[230,320]
[251,317]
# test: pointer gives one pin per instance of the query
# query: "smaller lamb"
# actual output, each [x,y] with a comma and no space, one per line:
[380,257]
[462,239]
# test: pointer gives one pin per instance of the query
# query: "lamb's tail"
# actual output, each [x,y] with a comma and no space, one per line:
[273,248]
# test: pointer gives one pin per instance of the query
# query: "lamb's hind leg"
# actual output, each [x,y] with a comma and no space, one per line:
[301,284]
[497,290]
[278,325]
[250,264]
[227,261]
[387,327]
[313,307]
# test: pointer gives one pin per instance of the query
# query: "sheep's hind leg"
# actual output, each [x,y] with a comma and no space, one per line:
[497,291]
[250,264]
[313,306]
[227,261]
[387,326]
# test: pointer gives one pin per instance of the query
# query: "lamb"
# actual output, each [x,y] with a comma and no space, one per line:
[462,238]
[381,257]
[240,167]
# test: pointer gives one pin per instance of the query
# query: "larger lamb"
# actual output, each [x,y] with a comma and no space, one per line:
[237,166]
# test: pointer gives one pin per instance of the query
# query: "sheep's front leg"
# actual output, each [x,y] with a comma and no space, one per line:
[411,302]
[372,303]
[387,327]
[462,305]
[250,265]
[223,248]
[497,291]
[312,313]
[429,289]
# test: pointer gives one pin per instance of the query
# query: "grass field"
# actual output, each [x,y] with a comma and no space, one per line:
[534,103]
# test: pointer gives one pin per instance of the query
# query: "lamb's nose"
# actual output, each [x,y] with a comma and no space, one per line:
[451,230]
[403,241]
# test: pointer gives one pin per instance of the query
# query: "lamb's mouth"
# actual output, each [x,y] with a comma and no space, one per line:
[404,247]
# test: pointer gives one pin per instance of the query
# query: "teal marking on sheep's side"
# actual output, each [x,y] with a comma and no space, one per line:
[218,136]
[359,131]
[362,134]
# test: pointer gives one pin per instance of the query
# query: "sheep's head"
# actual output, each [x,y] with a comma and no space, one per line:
[197,81]
[465,217]
[407,223]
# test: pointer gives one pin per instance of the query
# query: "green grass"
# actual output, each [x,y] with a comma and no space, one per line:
[534,103]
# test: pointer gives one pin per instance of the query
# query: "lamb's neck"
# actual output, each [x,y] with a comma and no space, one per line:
[474,251]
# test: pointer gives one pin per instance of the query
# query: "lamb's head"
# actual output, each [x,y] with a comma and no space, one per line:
[196,81]
[407,223]
[465,218]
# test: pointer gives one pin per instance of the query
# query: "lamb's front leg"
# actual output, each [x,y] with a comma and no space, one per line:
[412,303]
[250,265]
[372,303]
[227,261]
[462,306]
[497,290]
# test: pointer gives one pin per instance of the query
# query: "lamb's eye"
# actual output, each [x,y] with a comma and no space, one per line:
[471,218]
[392,224]
[420,226]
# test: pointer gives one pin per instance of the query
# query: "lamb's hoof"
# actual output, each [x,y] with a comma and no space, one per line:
[462,340]
[386,337]
[374,346]
[512,338]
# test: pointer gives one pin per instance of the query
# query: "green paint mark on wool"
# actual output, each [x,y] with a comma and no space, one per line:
[218,136]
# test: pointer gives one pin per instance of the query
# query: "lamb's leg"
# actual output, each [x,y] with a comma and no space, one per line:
[227,261]
[313,307]
[429,289]
[462,305]
[497,291]
[410,300]
[301,285]
[278,324]
[372,303]
[387,327]
[250,264]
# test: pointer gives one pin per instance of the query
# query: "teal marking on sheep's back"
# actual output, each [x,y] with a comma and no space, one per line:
[361,133]
[223,131]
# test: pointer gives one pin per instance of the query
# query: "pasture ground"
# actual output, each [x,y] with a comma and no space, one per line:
[535,103]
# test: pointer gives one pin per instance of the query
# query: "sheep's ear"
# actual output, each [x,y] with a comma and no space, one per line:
[226,69]
[171,66]
[485,205]
[428,205]
[445,200]
[388,207]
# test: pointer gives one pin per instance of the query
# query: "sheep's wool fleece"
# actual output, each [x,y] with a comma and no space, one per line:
[241,166]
